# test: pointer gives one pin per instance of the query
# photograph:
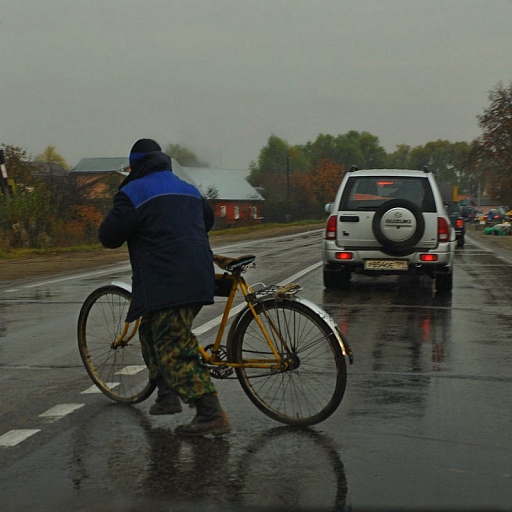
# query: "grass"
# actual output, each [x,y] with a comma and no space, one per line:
[27,252]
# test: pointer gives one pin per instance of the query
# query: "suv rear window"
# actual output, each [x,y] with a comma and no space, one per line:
[369,192]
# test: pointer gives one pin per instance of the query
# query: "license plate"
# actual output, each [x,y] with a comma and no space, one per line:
[400,265]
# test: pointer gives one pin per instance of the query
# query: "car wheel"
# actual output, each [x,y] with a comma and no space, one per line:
[398,225]
[337,279]
[444,282]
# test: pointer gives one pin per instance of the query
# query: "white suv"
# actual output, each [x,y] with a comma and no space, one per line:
[388,221]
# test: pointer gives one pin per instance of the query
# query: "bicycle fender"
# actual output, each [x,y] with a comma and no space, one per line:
[123,285]
[315,308]
[345,347]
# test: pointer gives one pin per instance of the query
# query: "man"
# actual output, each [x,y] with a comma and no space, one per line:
[165,222]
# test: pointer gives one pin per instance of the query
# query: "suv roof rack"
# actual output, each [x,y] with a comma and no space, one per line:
[426,169]
[353,168]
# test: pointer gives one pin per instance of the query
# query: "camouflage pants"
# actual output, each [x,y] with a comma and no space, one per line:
[170,350]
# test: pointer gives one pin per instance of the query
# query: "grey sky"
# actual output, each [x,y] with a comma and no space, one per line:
[220,76]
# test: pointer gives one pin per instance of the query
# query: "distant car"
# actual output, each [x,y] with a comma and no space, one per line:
[495,216]
[458,223]
[388,221]
[469,214]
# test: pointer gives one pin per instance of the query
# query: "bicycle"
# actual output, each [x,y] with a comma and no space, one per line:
[287,353]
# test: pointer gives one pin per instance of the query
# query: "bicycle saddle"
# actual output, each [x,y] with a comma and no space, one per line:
[230,264]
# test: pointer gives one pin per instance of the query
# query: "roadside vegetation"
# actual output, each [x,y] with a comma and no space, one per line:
[56,213]
[228,235]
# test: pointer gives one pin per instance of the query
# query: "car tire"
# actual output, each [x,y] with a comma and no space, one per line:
[337,279]
[444,282]
[394,242]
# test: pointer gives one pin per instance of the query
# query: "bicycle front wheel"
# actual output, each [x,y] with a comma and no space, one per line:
[311,384]
[118,371]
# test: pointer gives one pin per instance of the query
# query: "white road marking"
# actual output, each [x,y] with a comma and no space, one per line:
[69,278]
[90,391]
[131,370]
[60,410]
[14,437]
[95,389]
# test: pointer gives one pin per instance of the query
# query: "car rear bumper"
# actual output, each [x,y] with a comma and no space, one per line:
[442,261]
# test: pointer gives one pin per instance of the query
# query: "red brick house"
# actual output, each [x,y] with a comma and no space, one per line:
[233,199]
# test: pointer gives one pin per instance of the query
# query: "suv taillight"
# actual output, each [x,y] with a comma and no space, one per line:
[330,228]
[443,230]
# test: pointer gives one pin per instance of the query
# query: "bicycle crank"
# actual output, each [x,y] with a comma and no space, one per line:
[217,369]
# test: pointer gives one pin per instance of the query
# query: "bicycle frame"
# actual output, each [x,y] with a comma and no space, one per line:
[238,283]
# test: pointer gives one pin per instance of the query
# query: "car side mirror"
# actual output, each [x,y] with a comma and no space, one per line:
[328,207]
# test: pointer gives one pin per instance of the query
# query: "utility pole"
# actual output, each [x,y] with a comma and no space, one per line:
[288,216]
[3,176]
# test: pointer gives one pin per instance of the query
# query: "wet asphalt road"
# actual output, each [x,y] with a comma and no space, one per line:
[424,425]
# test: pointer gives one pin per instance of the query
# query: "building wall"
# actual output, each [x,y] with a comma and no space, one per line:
[232,213]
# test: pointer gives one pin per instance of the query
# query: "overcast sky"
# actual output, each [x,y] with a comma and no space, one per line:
[220,76]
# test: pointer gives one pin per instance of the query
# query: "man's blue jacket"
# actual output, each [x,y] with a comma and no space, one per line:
[165,222]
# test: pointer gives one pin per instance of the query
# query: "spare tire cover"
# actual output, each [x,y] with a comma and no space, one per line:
[398,225]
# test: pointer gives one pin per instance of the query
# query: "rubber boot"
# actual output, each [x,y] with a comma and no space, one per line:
[209,419]
[167,401]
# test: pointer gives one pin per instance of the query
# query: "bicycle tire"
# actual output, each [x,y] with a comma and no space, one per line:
[120,373]
[306,394]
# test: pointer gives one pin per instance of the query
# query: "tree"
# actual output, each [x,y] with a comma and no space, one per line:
[271,160]
[325,180]
[27,218]
[399,159]
[352,148]
[18,168]
[374,155]
[184,156]
[447,159]
[51,156]
[495,143]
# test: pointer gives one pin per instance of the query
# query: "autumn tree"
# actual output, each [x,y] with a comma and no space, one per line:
[325,180]
[495,143]
[50,155]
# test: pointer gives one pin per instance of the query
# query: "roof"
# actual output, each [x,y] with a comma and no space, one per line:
[42,169]
[99,165]
[228,184]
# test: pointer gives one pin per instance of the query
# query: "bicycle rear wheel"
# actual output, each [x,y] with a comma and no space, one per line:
[313,385]
[119,372]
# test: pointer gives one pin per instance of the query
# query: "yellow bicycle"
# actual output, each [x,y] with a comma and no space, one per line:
[287,353]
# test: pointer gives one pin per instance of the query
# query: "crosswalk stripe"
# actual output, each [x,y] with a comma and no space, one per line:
[14,437]
[60,410]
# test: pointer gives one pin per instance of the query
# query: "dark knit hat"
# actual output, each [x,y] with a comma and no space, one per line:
[141,148]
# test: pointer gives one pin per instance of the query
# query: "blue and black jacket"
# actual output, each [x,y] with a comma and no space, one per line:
[165,222]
